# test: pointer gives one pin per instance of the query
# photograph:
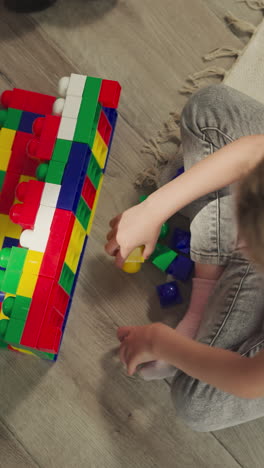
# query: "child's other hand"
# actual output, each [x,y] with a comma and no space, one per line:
[137,345]
[135,227]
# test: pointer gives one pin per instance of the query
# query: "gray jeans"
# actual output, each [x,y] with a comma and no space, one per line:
[233,319]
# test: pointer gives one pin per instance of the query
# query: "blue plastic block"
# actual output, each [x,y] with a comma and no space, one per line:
[74,175]
[180,268]
[112,115]
[2,296]
[181,241]
[27,120]
[169,294]
[178,173]
[10,242]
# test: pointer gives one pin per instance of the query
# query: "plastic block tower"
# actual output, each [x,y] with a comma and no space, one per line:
[53,155]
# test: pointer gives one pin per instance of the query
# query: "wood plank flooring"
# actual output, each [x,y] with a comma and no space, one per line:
[83,411]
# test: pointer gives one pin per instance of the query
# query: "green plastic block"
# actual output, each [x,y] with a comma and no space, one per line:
[143,198]
[94,171]
[43,355]
[16,259]
[42,171]
[9,281]
[164,231]
[2,178]
[95,125]
[61,151]
[13,119]
[13,260]
[3,345]
[66,279]
[162,257]
[83,213]
[14,331]
[87,110]
[3,117]
[55,172]
[16,307]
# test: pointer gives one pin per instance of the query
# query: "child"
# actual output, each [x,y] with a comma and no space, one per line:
[217,351]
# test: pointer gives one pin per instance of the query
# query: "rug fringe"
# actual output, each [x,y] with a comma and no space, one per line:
[222,52]
[147,178]
[240,26]
[253,4]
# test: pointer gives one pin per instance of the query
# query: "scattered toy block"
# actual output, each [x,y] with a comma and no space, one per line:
[181,268]
[169,294]
[162,257]
[181,240]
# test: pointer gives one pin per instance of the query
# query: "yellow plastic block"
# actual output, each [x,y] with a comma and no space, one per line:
[99,150]
[25,351]
[75,246]
[6,138]
[136,256]
[4,158]
[27,285]
[33,262]
[8,229]
[3,316]
[89,227]
[25,178]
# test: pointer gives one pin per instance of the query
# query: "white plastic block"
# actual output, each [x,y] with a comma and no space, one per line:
[37,239]
[71,107]
[67,128]
[58,106]
[63,86]
[44,218]
[34,240]
[50,195]
[76,85]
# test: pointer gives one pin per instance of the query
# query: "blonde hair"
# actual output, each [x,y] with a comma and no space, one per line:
[250,213]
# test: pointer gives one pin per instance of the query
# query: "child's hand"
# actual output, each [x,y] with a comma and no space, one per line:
[137,345]
[135,227]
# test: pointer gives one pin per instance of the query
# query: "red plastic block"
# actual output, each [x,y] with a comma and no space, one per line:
[37,311]
[104,128]
[46,131]
[28,101]
[60,234]
[8,191]
[110,94]
[19,158]
[49,339]
[88,192]
[30,194]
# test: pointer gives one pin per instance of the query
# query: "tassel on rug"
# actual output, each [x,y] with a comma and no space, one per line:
[221,52]
[240,26]
[253,4]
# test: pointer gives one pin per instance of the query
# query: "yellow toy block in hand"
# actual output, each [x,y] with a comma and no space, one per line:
[134,261]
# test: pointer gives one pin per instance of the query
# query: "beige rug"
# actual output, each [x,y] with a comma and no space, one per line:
[246,75]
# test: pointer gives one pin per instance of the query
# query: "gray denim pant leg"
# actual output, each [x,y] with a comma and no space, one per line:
[234,315]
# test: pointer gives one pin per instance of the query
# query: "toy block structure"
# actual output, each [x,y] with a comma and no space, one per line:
[53,155]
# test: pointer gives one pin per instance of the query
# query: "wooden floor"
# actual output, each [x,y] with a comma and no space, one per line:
[83,411]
